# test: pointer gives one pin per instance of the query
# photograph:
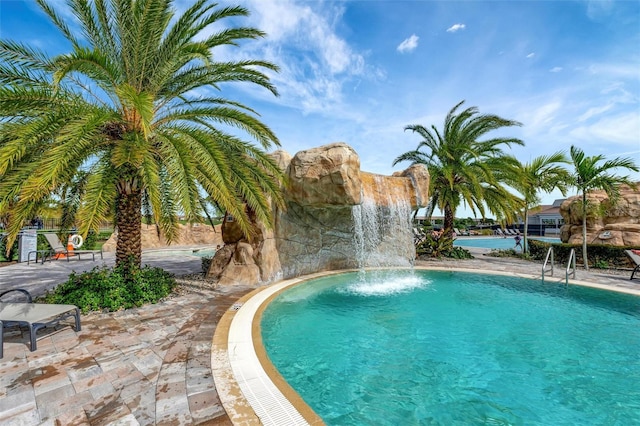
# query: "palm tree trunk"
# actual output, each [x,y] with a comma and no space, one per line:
[447,226]
[129,222]
[526,229]
[585,259]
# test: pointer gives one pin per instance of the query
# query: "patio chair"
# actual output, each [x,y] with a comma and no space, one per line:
[59,250]
[33,315]
[635,256]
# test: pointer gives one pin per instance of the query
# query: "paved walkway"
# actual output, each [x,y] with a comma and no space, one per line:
[150,365]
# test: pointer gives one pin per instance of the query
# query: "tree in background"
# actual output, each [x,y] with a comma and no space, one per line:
[463,168]
[590,174]
[544,173]
[134,105]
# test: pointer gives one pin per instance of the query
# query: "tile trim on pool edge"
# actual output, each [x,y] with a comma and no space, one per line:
[247,392]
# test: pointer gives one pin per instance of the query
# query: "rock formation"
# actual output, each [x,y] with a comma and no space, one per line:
[617,225]
[336,217]
[188,235]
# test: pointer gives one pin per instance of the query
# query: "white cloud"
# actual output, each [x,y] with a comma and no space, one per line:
[622,129]
[555,69]
[615,70]
[594,111]
[409,44]
[456,27]
[538,119]
[531,55]
[316,63]
[598,9]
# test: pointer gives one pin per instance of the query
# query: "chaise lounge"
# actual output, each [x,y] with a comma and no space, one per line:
[33,315]
[635,256]
[59,250]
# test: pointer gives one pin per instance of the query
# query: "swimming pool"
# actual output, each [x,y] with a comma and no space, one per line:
[496,242]
[431,347]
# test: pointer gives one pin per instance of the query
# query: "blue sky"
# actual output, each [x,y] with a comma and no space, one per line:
[360,71]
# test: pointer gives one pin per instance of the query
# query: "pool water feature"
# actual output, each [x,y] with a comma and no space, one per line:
[381,228]
[430,347]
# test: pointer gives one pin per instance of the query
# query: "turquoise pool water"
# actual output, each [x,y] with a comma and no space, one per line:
[495,242]
[445,348]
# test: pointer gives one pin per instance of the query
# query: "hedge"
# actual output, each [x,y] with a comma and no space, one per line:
[600,255]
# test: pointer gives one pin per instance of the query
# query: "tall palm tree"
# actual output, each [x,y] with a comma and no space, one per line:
[543,173]
[588,175]
[134,104]
[464,168]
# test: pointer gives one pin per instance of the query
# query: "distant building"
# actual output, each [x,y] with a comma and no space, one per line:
[439,220]
[548,215]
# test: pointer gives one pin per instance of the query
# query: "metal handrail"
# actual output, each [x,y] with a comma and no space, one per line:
[546,260]
[571,265]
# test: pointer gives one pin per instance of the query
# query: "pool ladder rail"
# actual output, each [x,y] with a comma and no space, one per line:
[571,265]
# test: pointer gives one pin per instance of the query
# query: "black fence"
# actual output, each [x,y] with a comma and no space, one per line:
[53,224]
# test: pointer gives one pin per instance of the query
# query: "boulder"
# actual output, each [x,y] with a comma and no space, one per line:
[325,176]
[420,180]
[242,269]
[609,223]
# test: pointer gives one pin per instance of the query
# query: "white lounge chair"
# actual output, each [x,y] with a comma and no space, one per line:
[33,315]
[636,259]
[59,250]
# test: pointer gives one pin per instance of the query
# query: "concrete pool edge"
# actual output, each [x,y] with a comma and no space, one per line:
[241,366]
[249,387]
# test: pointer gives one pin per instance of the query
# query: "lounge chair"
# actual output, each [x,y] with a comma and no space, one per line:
[459,233]
[33,315]
[499,232]
[59,250]
[635,256]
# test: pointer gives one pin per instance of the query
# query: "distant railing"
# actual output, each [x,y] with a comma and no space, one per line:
[54,224]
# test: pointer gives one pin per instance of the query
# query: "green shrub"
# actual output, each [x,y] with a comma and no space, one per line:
[434,246]
[600,256]
[601,264]
[537,248]
[111,290]
[13,252]
[458,253]
[90,241]
[502,253]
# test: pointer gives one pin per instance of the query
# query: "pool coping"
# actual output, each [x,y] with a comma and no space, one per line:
[251,389]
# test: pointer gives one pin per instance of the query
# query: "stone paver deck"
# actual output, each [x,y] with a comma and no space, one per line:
[149,365]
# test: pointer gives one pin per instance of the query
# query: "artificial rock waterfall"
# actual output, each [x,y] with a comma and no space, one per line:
[336,217]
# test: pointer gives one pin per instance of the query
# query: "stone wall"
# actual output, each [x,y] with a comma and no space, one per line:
[329,202]
[189,235]
[619,225]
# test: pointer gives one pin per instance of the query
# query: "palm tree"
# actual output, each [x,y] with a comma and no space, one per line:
[464,168]
[543,173]
[134,105]
[588,175]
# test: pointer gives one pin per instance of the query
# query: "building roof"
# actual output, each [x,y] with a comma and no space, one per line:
[548,209]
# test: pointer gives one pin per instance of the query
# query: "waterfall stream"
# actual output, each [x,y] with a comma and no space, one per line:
[382,230]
